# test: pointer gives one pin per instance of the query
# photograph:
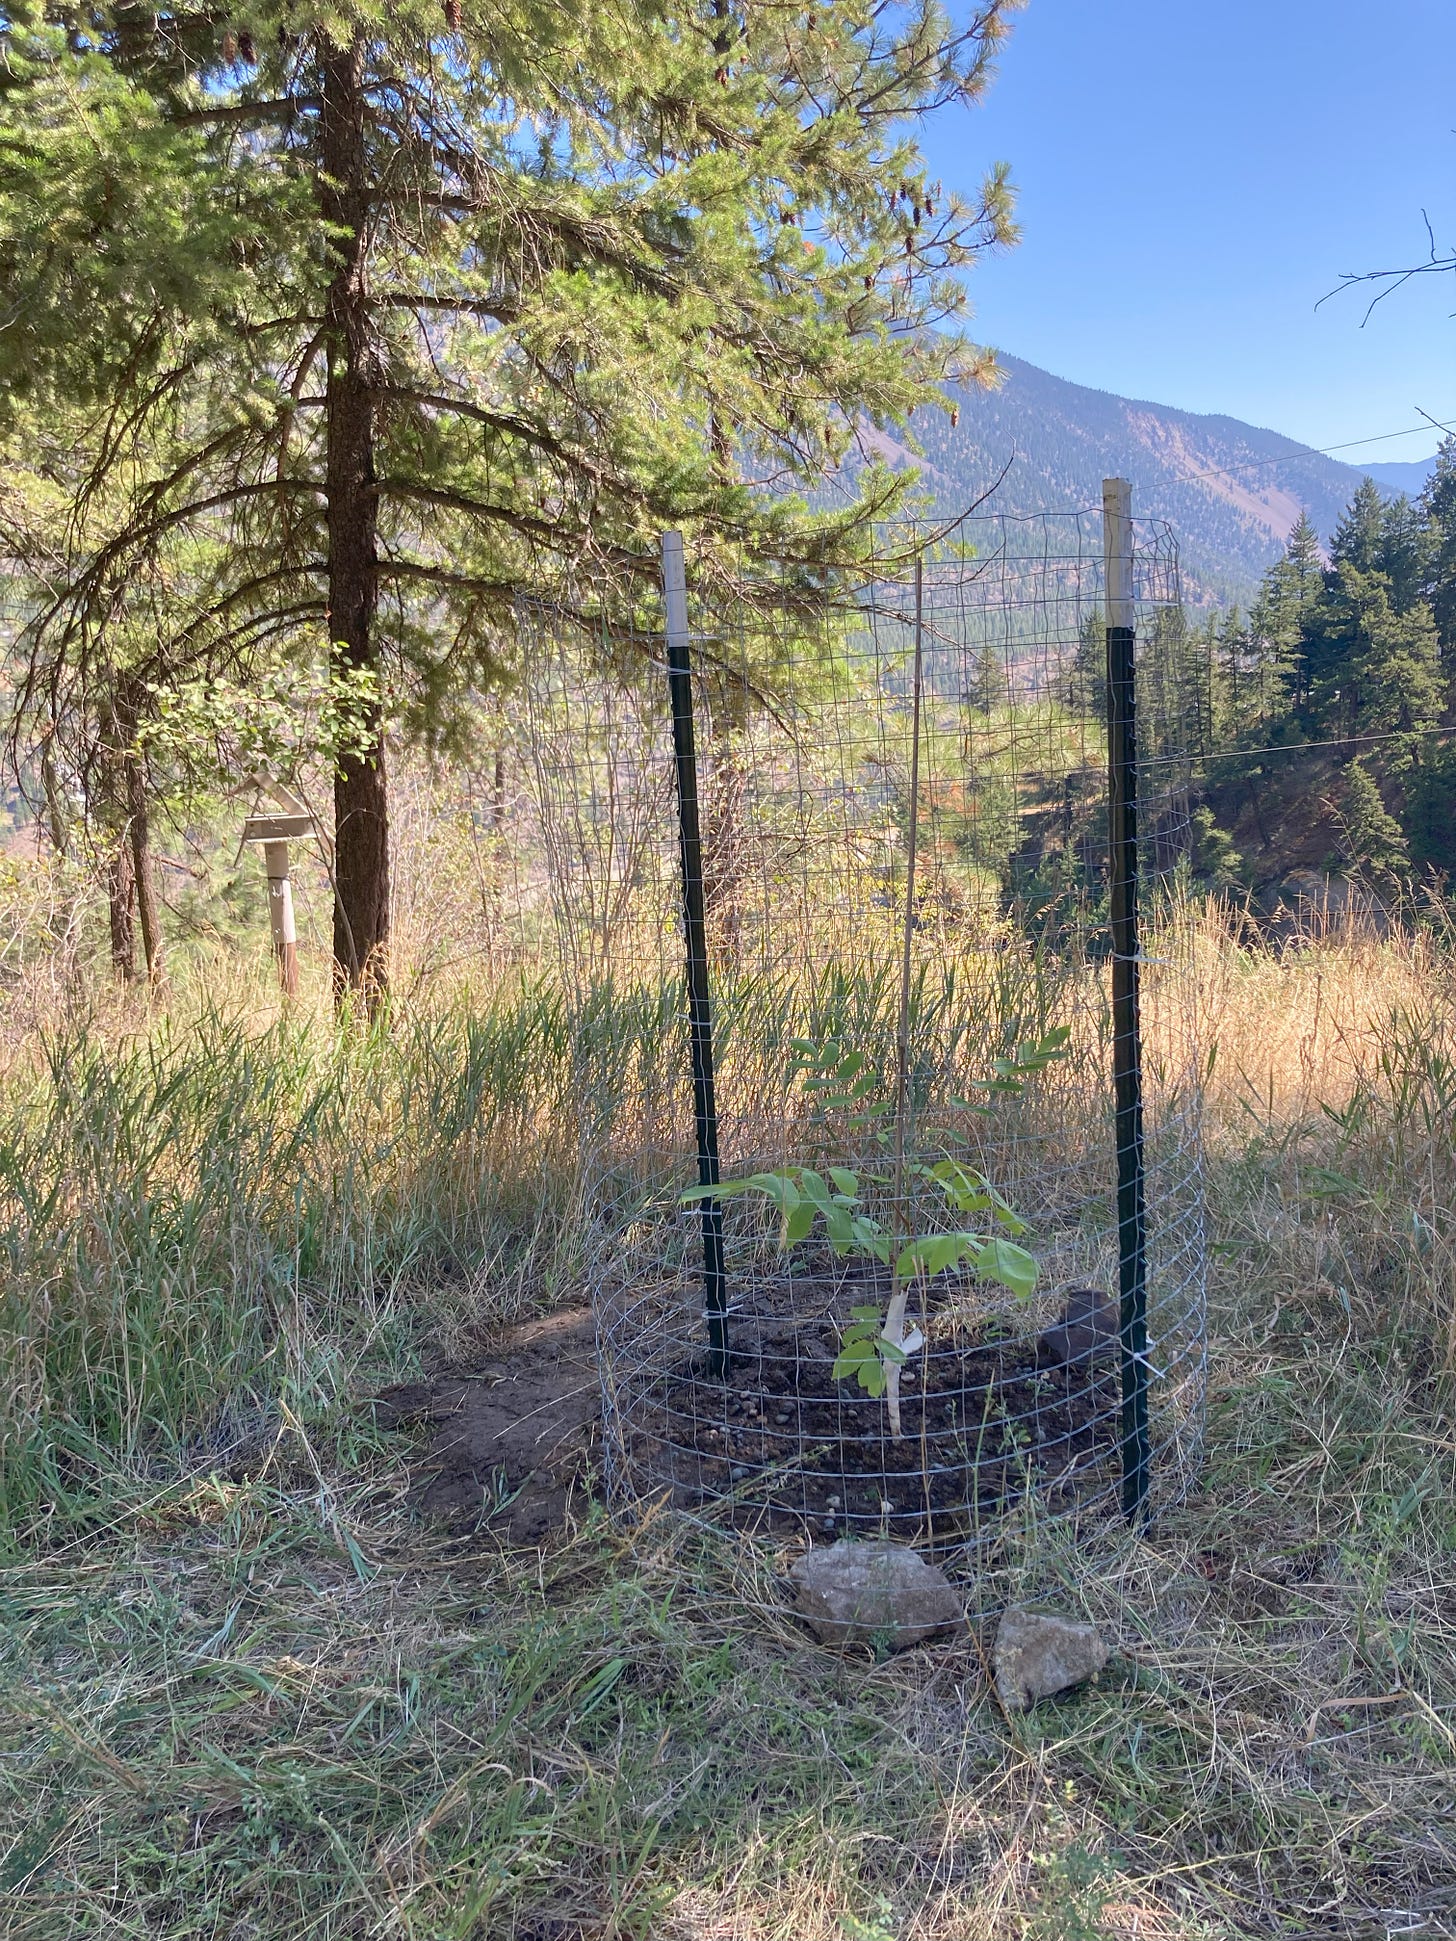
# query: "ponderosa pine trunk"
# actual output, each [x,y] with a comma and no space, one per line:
[361,800]
[139,828]
[117,867]
[106,822]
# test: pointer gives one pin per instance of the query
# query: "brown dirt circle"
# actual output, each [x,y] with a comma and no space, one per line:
[513,1441]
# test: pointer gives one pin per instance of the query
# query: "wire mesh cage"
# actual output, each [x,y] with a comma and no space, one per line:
[834,895]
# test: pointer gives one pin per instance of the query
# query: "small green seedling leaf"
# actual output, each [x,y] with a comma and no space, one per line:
[858,1359]
[814,1189]
[864,1353]
[798,1223]
[936,1253]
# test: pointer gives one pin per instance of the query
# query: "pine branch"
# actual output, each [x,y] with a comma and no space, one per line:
[286,108]
[512,427]
[485,512]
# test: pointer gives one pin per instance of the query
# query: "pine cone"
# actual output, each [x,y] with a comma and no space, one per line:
[452,15]
[247,48]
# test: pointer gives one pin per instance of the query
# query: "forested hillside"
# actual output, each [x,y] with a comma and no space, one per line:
[1320,710]
[1231,491]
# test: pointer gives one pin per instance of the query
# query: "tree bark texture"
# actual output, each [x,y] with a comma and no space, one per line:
[361,799]
[54,800]
[117,867]
[139,828]
[107,826]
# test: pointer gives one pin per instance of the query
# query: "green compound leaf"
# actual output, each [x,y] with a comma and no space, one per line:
[935,1253]
[1002,1260]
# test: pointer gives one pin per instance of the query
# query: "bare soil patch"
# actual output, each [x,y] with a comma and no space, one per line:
[512,1441]
[780,1442]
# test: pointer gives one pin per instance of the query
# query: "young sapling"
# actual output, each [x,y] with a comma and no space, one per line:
[874,1346]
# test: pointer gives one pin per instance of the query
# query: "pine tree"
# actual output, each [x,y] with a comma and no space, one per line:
[1216,862]
[1085,673]
[1430,811]
[1234,662]
[1379,672]
[383,317]
[1439,505]
[1287,597]
[1360,536]
[1370,836]
[1369,643]
[1406,552]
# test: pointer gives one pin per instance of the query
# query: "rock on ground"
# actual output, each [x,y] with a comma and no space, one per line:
[1089,1329]
[1036,1656]
[876,1593]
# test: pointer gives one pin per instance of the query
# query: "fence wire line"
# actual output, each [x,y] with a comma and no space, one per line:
[1005,1404]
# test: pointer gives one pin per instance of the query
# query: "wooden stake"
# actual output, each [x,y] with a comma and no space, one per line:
[274,832]
[280,915]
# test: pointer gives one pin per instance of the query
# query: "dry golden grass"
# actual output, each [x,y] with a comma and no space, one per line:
[243,1693]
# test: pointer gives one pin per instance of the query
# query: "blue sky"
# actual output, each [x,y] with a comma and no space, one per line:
[1194,175]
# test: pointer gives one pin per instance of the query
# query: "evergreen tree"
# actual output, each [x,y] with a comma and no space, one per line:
[1430,811]
[1215,860]
[1379,671]
[1370,663]
[1406,552]
[1439,504]
[1370,837]
[1359,538]
[1175,697]
[386,316]
[1234,662]
[1287,597]
[1086,675]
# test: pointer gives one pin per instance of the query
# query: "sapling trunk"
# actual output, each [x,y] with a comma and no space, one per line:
[119,904]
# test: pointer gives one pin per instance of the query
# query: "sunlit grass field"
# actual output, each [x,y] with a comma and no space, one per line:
[246,1692]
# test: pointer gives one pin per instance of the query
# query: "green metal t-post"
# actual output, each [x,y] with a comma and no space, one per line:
[700,1010]
[1127,1076]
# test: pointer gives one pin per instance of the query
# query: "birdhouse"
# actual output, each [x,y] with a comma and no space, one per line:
[275,832]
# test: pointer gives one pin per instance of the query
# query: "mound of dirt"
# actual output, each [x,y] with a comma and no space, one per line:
[780,1443]
[511,1441]
[784,1444]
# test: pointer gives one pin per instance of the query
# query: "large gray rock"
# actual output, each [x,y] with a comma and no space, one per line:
[1089,1329]
[1036,1656]
[875,1593]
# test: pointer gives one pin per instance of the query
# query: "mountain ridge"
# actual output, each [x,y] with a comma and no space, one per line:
[1231,491]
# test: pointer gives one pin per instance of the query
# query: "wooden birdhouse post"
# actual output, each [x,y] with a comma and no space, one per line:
[275,832]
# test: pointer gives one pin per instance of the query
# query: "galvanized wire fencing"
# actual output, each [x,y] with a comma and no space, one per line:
[903,1213]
